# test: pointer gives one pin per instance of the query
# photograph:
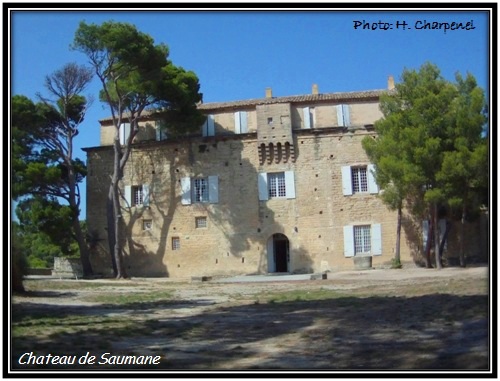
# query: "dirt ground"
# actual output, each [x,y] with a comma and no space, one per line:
[408,319]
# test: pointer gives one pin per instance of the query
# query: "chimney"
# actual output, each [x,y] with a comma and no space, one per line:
[315,90]
[269,92]
[390,83]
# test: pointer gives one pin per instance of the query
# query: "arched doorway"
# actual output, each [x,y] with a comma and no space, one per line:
[278,253]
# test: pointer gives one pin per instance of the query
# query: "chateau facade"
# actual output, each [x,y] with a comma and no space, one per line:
[269,185]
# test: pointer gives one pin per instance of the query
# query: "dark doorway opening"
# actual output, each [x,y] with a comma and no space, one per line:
[281,253]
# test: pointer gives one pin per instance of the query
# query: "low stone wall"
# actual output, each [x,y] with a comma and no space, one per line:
[67,268]
[39,271]
[362,262]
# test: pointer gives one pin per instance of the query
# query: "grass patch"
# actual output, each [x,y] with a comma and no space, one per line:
[56,284]
[123,298]
[297,296]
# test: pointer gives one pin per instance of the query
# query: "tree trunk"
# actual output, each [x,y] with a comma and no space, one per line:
[120,267]
[443,241]
[428,245]
[461,253]
[75,208]
[439,266]
[84,249]
[397,255]
[110,216]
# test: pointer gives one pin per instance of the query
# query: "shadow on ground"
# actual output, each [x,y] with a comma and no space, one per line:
[430,332]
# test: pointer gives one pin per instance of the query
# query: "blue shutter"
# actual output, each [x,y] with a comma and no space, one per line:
[307,117]
[161,131]
[237,123]
[346,180]
[372,184]
[244,122]
[347,116]
[186,191]
[340,116]
[262,184]
[425,232]
[128,195]
[213,189]
[124,133]
[290,184]
[376,239]
[348,241]
[210,126]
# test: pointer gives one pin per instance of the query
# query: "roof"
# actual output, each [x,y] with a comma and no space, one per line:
[344,96]
[307,98]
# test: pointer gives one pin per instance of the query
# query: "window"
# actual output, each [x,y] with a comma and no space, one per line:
[308,115]
[147,224]
[136,195]
[358,179]
[269,120]
[161,130]
[203,189]
[124,133]
[240,122]
[276,185]
[362,240]
[208,128]
[200,222]
[343,116]
[176,243]
[200,190]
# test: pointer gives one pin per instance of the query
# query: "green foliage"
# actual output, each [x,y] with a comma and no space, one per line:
[137,75]
[19,260]
[45,174]
[396,263]
[430,144]
[42,231]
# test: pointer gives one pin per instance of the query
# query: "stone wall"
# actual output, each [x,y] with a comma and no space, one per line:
[239,226]
[67,268]
[162,238]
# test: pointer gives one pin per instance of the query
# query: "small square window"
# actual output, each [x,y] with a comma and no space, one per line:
[270,120]
[200,222]
[147,224]
[176,243]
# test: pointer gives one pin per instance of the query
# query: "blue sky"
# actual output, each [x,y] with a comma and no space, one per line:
[236,55]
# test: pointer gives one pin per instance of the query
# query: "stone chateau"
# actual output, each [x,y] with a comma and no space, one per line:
[269,185]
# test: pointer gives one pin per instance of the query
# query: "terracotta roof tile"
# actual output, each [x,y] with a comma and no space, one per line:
[353,95]
[307,98]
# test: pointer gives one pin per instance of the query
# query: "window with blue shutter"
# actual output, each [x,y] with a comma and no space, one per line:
[362,240]
[186,191]
[348,241]
[124,133]
[161,130]
[208,128]
[343,117]
[199,190]
[276,185]
[306,112]
[240,122]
